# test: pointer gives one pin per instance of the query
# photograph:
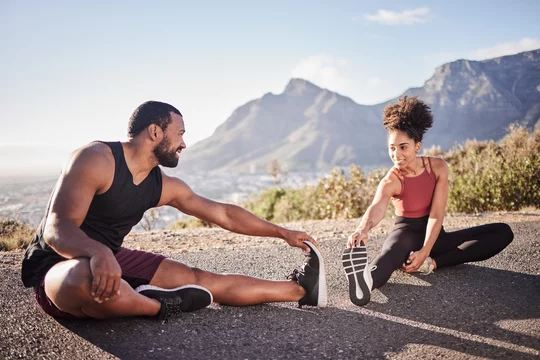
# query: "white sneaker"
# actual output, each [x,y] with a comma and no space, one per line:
[427,267]
[355,265]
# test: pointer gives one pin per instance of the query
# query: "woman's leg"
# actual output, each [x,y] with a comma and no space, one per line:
[474,244]
[394,253]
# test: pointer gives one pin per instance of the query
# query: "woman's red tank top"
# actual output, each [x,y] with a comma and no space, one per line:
[416,193]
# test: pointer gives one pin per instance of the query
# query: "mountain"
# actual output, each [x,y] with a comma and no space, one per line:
[307,127]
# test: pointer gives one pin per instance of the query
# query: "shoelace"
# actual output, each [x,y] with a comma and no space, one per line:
[295,274]
[170,307]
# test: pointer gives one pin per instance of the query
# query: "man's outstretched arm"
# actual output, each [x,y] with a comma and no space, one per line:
[178,194]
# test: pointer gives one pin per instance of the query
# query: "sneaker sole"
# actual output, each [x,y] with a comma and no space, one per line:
[197,297]
[355,261]
[322,297]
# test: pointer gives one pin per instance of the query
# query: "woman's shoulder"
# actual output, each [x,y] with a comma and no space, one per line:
[438,165]
[393,174]
[390,184]
[436,161]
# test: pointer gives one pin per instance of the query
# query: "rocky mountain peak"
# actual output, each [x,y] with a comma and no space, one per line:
[307,127]
[301,87]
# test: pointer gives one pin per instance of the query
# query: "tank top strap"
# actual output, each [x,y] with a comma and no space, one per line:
[430,172]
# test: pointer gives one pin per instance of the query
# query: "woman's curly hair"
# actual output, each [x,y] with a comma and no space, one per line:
[409,115]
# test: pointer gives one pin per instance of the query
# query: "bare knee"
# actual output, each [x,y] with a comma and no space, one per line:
[171,274]
[68,283]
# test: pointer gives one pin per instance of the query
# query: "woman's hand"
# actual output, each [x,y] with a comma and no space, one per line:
[415,260]
[355,238]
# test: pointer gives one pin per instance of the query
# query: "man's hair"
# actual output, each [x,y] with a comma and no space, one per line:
[409,115]
[148,113]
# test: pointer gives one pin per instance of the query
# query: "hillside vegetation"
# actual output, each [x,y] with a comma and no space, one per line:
[14,234]
[484,176]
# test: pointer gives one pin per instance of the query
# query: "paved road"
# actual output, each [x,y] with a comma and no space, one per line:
[487,310]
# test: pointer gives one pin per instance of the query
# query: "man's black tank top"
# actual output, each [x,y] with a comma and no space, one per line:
[110,217]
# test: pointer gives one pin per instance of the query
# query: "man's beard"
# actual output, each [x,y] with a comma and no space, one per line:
[164,155]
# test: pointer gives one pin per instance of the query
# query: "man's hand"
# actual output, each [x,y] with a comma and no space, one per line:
[106,274]
[297,238]
[415,260]
[355,238]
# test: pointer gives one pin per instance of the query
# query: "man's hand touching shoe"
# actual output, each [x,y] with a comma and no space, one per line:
[297,238]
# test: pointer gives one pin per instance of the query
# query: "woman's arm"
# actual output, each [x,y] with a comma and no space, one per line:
[388,187]
[436,215]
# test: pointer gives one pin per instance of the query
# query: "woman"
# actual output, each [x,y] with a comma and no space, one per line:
[418,188]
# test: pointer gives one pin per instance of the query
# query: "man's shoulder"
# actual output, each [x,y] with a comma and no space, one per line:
[173,188]
[95,157]
[169,180]
[94,151]
[98,148]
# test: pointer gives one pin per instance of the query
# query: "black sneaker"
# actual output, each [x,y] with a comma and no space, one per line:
[185,298]
[312,278]
[355,265]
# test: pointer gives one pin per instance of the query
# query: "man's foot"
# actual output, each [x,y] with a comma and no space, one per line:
[185,298]
[355,265]
[312,278]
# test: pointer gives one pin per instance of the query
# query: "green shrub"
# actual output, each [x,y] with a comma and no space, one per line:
[336,196]
[295,204]
[190,223]
[489,176]
[14,235]
[484,176]
[265,204]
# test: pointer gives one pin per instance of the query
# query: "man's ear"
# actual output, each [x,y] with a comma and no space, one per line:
[154,131]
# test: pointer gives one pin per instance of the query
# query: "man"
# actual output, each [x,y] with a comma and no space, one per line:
[78,267]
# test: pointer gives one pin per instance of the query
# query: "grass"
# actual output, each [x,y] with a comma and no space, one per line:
[14,235]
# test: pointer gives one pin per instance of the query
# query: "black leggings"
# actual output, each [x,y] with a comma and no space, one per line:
[451,248]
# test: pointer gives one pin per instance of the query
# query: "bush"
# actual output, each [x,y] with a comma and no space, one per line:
[486,176]
[14,235]
[265,204]
[190,223]
[336,196]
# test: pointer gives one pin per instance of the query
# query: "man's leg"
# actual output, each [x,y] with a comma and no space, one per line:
[227,289]
[67,285]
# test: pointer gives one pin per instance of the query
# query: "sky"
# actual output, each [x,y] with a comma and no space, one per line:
[74,71]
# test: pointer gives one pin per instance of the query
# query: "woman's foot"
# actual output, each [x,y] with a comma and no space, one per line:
[358,272]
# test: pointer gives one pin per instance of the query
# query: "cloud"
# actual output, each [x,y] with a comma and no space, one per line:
[323,70]
[406,17]
[508,48]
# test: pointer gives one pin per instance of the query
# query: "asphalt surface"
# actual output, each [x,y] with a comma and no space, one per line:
[487,310]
